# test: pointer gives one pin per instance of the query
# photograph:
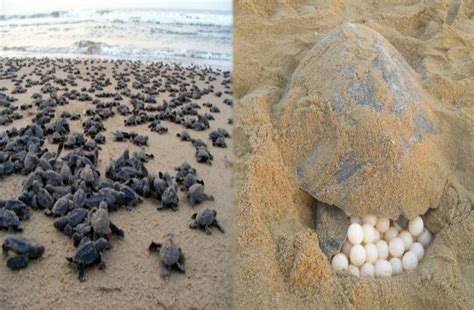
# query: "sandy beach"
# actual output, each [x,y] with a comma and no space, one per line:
[132,276]
[290,57]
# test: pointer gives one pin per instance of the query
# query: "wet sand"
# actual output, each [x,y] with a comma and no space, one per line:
[132,276]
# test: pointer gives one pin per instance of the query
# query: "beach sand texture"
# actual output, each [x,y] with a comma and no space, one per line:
[282,110]
[132,276]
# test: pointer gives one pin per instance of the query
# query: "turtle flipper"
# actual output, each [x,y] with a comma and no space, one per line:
[18,262]
[101,262]
[207,229]
[5,249]
[117,231]
[154,246]
[82,272]
[180,263]
[219,226]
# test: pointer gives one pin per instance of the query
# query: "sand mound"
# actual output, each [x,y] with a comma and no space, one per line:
[368,144]
[285,95]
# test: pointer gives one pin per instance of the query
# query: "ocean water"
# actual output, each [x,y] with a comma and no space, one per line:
[199,37]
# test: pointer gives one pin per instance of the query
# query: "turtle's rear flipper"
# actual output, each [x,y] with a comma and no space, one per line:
[117,231]
[208,230]
[219,226]
[180,267]
[154,246]
[165,271]
[82,272]
[18,262]
[5,249]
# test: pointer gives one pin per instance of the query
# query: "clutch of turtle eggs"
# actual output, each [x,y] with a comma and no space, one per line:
[381,247]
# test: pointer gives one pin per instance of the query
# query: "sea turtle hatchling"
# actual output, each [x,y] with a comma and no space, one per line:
[101,224]
[196,194]
[171,255]
[89,253]
[9,220]
[204,220]
[25,249]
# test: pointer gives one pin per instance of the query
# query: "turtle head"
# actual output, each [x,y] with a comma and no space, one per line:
[102,244]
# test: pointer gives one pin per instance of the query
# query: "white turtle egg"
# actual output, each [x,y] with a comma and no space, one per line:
[396,247]
[368,270]
[425,237]
[369,219]
[355,219]
[382,249]
[391,233]
[339,262]
[376,235]
[357,255]
[397,266]
[383,269]
[409,261]
[407,238]
[371,253]
[354,270]
[383,224]
[418,249]
[415,226]
[355,234]
[346,248]
[369,233]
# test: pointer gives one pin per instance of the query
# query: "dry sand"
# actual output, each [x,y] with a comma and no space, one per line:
[131,279]
[279,263]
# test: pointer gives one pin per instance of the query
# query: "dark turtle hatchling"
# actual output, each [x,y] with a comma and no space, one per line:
[9,220]
[25,249]
[89,253]
[203,155]
[171,255]
[169,199]
[205,220]
[184,136]
[101,224]
[196,194]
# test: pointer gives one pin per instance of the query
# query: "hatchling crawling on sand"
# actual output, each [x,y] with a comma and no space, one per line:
[205,219]
[101,224]
[196,194]
[89,253]
[25,249]
[171,255]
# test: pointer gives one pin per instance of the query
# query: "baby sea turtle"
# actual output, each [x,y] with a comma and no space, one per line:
[169,199]
[203,155]
[89,253]
[101,224]
[184,136]
[171,255]
[196,194]
[205,219]
[9,220]
[24,248]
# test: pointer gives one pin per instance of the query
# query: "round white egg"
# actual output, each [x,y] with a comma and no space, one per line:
[340,262]
[357,255]
[383,269]
[415,226]
[397,266]
[409,261]
[367,270]
[382,224]
[376,235]
[369,233]
[346,248]
[407,239]
[418,249]
[355,234]
[391,233]
[382,249]
[355,219]
[396,247]
[425,237]
[354,270]
[369,219]
[371,253]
